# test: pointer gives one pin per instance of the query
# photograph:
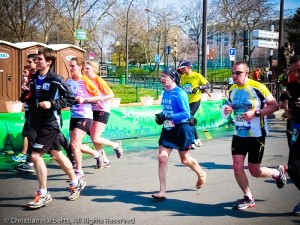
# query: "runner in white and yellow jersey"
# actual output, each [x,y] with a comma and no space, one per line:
[250,102]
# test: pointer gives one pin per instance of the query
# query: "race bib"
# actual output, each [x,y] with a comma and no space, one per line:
[169,124]
[187,88]
[241,124]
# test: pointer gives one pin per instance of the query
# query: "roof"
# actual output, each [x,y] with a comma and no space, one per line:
[57,47]
[8,43]
[23,45]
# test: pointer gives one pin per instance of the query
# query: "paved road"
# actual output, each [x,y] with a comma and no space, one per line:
[122,193]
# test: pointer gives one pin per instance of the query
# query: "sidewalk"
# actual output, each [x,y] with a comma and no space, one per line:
[122,193]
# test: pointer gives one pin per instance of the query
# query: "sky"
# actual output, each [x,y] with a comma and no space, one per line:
[288,4]
[291,4]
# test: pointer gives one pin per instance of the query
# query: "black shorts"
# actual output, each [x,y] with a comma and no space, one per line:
[254,146]
[25,129]
[44,139]
[101,116]
[81,123]
[180,137]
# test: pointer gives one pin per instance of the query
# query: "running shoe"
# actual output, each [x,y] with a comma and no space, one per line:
[106,164]
[119,150]
[296,210]
[39,201]
[75,191]
[25,167]
[79,175]
[281,180]
[198,142]
[19,158]
[244,203]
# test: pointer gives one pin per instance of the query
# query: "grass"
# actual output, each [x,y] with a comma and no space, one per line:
[130,94]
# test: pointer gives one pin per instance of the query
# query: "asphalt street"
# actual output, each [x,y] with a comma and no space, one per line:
[121,194]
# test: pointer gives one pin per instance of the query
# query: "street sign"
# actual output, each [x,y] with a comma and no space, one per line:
[232,51]
[265,44]
[265,34]
[157,58]
[91,55]
[81,34]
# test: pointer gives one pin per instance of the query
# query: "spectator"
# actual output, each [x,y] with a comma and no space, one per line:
[293,126]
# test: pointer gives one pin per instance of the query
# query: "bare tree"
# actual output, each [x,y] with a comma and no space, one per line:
[76,13]
[244,15]
[20,17]
[190,20]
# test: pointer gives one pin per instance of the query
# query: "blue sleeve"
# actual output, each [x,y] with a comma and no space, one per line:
[176,104]
[182,114]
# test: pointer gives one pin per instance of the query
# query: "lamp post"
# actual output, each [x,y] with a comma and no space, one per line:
[126,40]
[119,53]
[165,34]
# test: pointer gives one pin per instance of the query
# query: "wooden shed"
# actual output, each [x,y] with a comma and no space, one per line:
[27,48]
[9,73]
[65,52]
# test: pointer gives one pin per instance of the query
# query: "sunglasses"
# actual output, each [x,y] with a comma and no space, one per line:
[236,73]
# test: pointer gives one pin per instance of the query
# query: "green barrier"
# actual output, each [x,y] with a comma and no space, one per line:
[124,122]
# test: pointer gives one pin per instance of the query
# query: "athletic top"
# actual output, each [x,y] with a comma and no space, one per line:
[189,82]
[54,89]
[251,96]
[175,103]
[85,88]
[104,90]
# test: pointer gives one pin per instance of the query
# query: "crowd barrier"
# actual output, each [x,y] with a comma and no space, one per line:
[124,122]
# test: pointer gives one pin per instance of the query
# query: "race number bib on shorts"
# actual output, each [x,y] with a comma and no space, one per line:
[168,124]
[241,124]
[187,88]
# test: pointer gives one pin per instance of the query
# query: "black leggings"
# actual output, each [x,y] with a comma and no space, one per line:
[194,106]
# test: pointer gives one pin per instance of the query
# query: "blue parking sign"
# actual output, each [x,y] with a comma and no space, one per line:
[157,58]
[232,51]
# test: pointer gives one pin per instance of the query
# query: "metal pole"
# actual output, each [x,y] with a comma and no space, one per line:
[126,37]
[280,39]
[204,39]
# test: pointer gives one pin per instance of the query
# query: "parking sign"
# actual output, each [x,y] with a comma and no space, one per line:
[157,58]
[232,52]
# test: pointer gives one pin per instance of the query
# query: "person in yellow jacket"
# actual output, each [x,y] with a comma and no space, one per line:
[193,84]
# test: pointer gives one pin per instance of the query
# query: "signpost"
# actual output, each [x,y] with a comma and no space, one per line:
[157,59]
[81,34]
[262,35]
[265,44]
[232,53]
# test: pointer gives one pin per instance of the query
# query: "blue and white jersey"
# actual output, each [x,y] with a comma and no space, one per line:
[251,96]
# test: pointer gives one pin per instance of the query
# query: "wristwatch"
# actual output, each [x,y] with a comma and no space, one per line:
[257,113]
